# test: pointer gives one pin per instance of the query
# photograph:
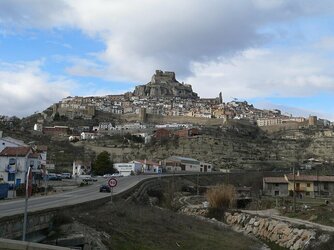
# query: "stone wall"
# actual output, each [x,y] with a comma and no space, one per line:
[281,233]
[159,119]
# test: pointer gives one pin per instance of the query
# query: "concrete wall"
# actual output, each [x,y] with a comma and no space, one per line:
[6,244]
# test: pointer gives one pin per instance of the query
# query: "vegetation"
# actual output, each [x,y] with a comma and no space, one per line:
[221,196]
[132,226]
[103,164]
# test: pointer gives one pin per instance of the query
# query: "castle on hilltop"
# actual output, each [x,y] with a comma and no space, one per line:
[164,84]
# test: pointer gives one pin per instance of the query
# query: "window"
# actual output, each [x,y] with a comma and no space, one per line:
[12,161]
[308,185]
[276,193]
[325,186]
[276,185]
[307,193]
[11,176]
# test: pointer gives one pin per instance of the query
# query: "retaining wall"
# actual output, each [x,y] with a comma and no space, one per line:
[284,234]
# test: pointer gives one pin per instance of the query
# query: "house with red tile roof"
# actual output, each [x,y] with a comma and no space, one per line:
[275,186]
[14,163]
[303,185]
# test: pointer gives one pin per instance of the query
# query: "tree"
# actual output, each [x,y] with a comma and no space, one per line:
[56,117]
[103,164]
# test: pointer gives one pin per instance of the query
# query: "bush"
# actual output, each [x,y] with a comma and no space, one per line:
[221,196]
[61,219]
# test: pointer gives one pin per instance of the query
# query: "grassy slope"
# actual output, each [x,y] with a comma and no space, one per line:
[139,227]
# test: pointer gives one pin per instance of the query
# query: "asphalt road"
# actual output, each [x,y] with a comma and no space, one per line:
[78,195]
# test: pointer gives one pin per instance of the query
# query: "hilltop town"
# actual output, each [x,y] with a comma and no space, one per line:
[165,109]
[165,96]
[163,127]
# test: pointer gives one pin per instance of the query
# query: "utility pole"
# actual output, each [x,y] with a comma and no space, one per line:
[294,189]
[197,184]
[26,205]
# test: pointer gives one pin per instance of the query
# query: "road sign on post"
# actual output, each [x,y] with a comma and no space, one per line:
[112,182]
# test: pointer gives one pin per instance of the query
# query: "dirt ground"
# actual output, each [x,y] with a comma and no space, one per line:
[127,225]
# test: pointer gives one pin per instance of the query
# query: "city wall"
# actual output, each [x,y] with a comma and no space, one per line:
[159,119]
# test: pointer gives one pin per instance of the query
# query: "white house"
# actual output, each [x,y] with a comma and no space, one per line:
[87,136]
[38,127]
[130,126]
[149,166]
[10,142]
[177,163]
[127,169]
[81,168]
[14,163]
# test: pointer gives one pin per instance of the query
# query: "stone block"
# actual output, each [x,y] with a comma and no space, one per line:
[297,245]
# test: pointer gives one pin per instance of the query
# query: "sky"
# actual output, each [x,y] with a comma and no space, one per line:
[271,53]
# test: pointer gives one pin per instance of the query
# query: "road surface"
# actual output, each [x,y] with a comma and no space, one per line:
[78,195]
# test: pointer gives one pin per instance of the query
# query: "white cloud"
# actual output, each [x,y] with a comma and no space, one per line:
[265,72]
[216,43]
[145,35]
[295,111]
[24,88]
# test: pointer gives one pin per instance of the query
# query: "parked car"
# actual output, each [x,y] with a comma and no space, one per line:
[117,175]
[66,175]
[105,188]
[107,175]
[89,179]
[54,177]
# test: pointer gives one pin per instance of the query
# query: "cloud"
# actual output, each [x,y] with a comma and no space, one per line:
[295,111]
[25,88]
[265,73]
[142,36]
[216,43]
[18,15]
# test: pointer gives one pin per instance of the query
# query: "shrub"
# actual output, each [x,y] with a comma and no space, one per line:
[221,196]
[61,219]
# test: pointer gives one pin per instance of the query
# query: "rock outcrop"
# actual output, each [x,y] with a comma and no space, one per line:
[164,84]
[282,233]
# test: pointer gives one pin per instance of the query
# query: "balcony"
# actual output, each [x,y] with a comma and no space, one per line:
[300,189]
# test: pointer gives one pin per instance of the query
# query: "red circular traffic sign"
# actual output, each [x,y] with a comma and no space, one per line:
[112,182]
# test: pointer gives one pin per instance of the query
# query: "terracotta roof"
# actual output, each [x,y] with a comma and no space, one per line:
[34,155]
[42,148]
[323,178]
[275,180]
[15,151]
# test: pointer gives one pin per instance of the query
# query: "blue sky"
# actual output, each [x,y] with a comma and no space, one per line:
[272,53]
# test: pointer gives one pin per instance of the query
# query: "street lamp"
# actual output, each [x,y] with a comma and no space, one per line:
[26,202]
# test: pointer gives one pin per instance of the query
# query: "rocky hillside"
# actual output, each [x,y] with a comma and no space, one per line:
[232,146]
[164,84]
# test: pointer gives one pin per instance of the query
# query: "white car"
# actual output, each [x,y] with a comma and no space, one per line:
[107,175]
[117,175]
[89,179]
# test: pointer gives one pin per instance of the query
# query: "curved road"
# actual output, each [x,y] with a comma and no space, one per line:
[78,195]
